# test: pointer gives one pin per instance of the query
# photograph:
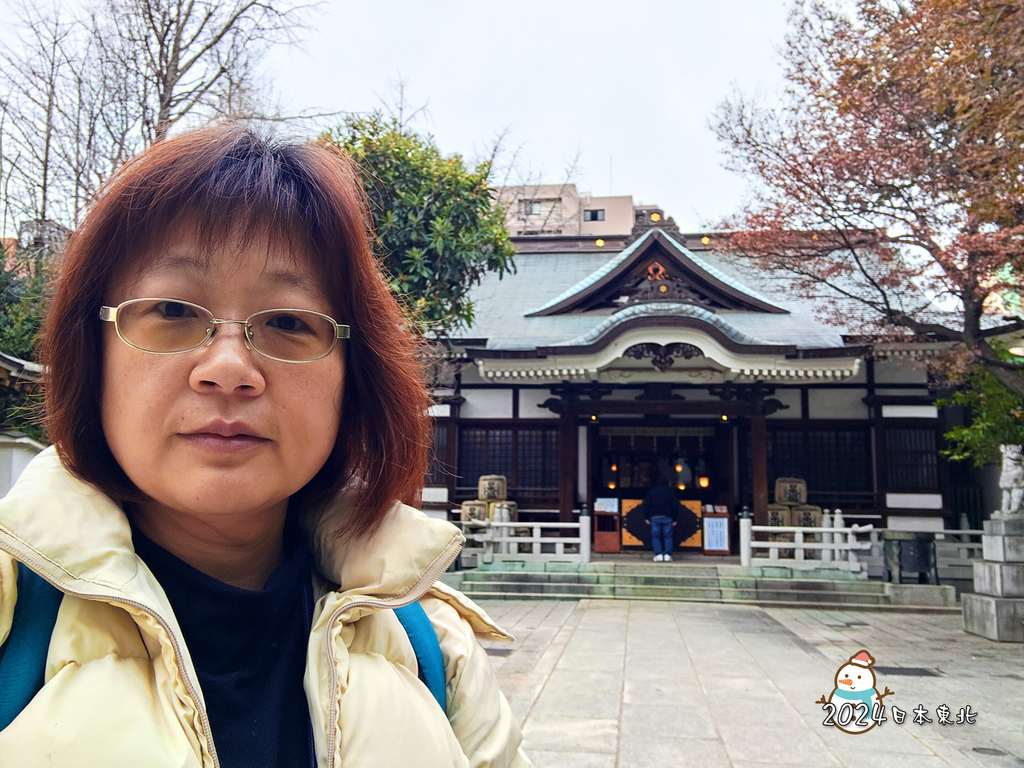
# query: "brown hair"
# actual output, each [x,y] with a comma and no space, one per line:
[228,178]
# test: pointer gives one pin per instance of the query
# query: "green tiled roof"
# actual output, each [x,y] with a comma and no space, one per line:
[543,280]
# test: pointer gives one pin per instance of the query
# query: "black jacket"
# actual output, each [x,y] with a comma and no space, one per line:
[661,501]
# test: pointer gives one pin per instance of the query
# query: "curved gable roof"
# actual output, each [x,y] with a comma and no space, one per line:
[654,243]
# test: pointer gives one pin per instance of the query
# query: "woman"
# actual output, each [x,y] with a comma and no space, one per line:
[235,406]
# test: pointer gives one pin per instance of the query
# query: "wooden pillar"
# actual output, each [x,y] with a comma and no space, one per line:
[759,458]
[567,464]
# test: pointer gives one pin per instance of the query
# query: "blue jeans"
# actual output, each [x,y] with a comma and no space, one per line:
[661,535]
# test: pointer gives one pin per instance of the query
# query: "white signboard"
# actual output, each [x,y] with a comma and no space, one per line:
[716,534]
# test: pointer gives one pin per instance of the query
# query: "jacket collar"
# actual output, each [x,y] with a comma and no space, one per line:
[389,564]
[71,532]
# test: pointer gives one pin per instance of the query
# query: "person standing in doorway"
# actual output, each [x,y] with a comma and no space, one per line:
[661,512]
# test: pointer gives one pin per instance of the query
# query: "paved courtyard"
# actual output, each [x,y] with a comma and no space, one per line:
[624,684]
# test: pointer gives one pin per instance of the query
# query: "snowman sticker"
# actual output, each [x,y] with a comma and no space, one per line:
[855,705]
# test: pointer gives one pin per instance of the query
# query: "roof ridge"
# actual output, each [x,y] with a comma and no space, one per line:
[718,274]
[594,276]
[626,253]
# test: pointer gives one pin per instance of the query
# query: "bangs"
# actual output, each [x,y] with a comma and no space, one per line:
[247,190]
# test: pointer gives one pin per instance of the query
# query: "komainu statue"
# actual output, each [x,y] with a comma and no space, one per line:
[1012,480]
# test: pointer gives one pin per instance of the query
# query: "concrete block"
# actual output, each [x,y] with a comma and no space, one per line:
[773,572]
[997,618]
[834,574]
[921,594]
[563,567]
[453,579]
[733,571]
[507,565]
[1003,549]
[558,578]
[1013,526]
[738,594]
[747,583]
[561,589]
[818,598]
[667,581]
[572,735]
[999,579]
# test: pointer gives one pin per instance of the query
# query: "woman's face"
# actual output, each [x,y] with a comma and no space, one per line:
[220,430]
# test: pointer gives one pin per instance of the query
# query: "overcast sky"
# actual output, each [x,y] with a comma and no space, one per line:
[628,84]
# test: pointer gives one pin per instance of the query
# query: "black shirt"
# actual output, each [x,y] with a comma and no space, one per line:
[249,650]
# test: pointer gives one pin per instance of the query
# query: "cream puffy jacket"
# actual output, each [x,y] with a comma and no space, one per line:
[120,689]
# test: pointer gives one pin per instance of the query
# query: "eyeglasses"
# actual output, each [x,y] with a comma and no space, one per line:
[169,326]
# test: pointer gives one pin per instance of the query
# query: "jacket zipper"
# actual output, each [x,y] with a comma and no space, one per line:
[439,566]
[41,566]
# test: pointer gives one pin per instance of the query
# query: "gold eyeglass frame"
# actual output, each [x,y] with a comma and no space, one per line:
[109,314]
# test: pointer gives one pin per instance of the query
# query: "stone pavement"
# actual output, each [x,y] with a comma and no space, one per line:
[624,684]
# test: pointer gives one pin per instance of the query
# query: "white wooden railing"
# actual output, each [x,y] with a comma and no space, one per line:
[496,541]
[857,548]
[838,546]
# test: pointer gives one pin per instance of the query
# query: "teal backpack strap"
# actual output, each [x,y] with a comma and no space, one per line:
[23,656]
[427,648]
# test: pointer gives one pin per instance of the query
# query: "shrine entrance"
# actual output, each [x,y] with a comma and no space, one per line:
[697,460]
[660,428]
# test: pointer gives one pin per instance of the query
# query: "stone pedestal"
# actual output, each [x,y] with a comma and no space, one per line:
[996,610]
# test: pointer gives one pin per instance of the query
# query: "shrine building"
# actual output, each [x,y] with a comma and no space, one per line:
[606,358]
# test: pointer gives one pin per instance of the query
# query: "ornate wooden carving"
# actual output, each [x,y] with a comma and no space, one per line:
[642,222]
[567,395]
[658,284]
[756,393]
[665,356]
[658,391]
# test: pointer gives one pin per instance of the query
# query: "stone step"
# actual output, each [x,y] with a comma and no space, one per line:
[661,579]
[473,588]
[533,576]
[724,583]
[830,598]
[708,571]
[483,595]
[678,581]
[673,592]
[821,585]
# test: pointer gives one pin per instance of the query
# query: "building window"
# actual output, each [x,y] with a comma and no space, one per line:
[531,207]
[912,459]
[438,470]
[537,458]
[528,457]
[830,460]
[483,452]
[839,460]
[594,214]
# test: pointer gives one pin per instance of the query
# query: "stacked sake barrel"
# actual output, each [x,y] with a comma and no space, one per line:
[492,502]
